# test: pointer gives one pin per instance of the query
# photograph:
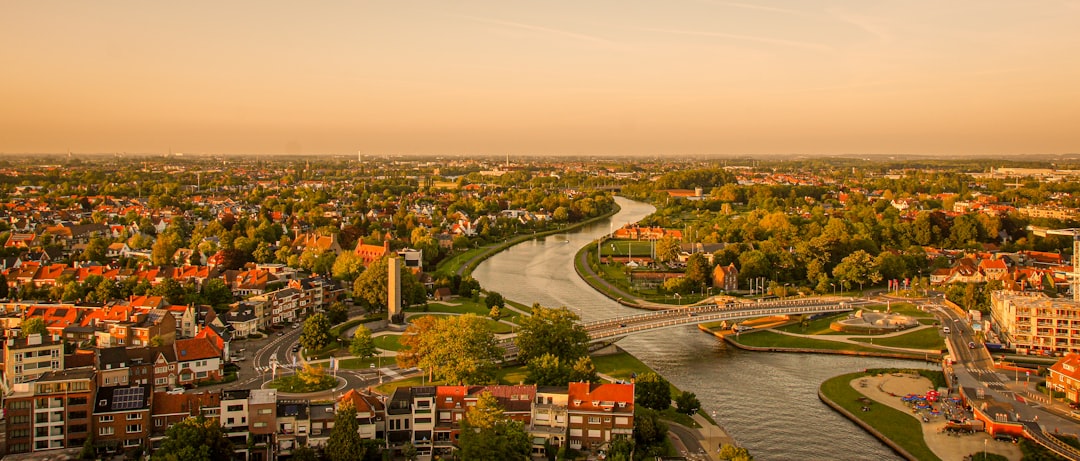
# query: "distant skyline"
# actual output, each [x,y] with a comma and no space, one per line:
[682,77]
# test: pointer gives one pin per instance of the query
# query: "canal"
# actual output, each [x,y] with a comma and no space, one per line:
[766,401]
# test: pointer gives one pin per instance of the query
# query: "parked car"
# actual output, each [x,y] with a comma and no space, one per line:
[296,348]
[176,390]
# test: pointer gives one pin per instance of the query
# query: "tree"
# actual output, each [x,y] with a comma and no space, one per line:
[194,439]
[171,290]
[345,443]
[621,449]
[457,349]
[316,334]
[304,453]
[650,432]
[652,391]
[409,451]
[858,267]
[554,331]
[495,313]
[546,370]
[347,266]
[164,248]
[337,313]
[371,286]
[362,345]
[687,403]
[216,293]
[734,453]
[494,299]
[32,326]
[667,248]
[583,370]
[697,269]
[487,435]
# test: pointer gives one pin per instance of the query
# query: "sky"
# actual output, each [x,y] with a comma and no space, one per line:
[596,77]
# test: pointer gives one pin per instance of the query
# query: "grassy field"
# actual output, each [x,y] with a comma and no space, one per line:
[900,427]
[633,248]
[771,339]
[907,309]
[359,364]
[926,338]
[388,342]
[293,384]
[468,306]
[450,265]
[819,326]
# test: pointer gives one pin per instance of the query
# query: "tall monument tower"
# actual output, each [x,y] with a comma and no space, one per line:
[393,298]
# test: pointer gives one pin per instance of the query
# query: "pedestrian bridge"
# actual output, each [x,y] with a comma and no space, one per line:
[619,327]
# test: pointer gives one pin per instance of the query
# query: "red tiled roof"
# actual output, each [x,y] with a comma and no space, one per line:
[195,349]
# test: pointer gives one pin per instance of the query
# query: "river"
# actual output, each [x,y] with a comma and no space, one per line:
[766,401]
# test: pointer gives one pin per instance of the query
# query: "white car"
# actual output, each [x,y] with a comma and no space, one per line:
[176,390]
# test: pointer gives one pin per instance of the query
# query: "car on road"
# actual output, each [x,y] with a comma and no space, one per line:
[1075,414]
[296,348]
[281,333]
[945,330]
[176,390]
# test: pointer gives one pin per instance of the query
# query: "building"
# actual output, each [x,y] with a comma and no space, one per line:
[197,360]
[598,413]
[726,278]
[410,418]
[27,359]
[1065,377]
[1034,323]
[121,418]
[50,413]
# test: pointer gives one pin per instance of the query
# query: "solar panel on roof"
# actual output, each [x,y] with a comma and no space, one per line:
[127,398]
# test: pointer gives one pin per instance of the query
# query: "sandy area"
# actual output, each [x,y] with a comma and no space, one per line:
[947,447]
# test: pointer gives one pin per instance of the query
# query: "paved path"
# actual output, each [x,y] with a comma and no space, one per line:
[848,339]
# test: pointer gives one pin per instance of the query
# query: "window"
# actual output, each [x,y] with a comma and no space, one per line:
[105,419]
[134,428]
[594,420]
[575,419]
[259,424]
[19,405]
[594,433]
[265,411]
[106,430]
[77,415]
[132,442]
[76,401]
[158,422]
[234,408]
[134,416]
[622,420]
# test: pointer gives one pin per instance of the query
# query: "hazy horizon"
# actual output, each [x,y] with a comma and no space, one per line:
[694,77]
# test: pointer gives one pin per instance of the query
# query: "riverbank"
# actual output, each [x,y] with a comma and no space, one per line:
[826,346]
[873,401]
[454,266]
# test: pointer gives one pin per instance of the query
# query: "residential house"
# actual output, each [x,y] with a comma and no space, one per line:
[168,409]
[371,253]
[197,360]
[293,421]
[598,413]
[726,278]
[121,418]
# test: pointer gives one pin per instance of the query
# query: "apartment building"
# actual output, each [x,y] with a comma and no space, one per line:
[410,417]
[1034,323]
[50,413]
[27,359]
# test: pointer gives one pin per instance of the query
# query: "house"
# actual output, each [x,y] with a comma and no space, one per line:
[241,318]
[598,413]
[317,243]
[371,253]
[168,409]
[442,294]
[726,278]
[293,420]
[197,360]
[994,269]
[21,240]
[1065,377]
[121,418]
[117,250]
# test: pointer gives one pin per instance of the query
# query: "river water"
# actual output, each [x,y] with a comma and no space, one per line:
[766,401]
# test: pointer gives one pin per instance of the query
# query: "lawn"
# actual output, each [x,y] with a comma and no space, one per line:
[467,306]
[388,342]
[511,374]
[819,326]
[908,309]
[493,326]
[450,265]
[898,426]
[926,338]
[360,364]
[294,384]
[771,339]
[626,248]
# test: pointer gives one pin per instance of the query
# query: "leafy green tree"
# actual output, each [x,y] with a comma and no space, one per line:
[216,293]
[316,333]
[495,313]
[487,435]
[33,325]
[409,451]
[554,331]
[621,449]
[697,269]
[163,249]
[372,290]
[304,453]
[337,313]
[494,299]
[583,370]
[687,403]
[857,267]
[171,290]
[652,391]
[734,453]
[650,432]
[667,248]
[347,266]
[546,370]
[362,345]
[194,439]
[345,443]
[458,349]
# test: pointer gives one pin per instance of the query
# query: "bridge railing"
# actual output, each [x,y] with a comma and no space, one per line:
[708,308]
[661,322]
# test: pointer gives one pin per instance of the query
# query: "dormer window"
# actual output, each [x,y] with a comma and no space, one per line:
[595,403]
[577,402]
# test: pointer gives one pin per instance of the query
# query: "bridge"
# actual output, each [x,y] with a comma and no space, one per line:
[619,327]
[1033,431]
[608,331]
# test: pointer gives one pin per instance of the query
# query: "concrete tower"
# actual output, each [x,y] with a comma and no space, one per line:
[393,298]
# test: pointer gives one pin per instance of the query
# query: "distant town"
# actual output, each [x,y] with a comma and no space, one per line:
[323,307]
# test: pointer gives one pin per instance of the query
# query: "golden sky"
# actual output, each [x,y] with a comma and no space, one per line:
[671,77]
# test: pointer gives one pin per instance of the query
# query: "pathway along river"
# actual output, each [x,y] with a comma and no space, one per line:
[766,401]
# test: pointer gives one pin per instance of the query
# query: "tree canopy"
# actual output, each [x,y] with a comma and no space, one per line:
[488,435]
[194,439]
[551,331]
[457,349]
[316,333]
